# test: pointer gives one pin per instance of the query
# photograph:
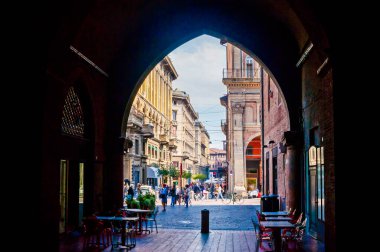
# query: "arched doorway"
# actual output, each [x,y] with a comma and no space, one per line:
[75,155]
[253,163]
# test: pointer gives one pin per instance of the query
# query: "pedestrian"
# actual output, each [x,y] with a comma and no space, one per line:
[174,195]
[187,195]
[212,189]
[178,193]
[164,196]
[220,191]
[125,191]
[130,193]
[138,189]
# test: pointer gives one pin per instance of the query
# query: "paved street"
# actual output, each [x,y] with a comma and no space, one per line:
[222,216]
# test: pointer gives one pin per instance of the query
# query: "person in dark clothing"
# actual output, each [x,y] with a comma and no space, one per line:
[174,196]
[212,189]
[164,196]
[130,192]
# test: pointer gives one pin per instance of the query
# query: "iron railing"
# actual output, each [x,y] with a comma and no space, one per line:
[241,73]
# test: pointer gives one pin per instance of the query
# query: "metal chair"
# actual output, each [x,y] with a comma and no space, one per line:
[151,220]
[264,239]
[94,233]
[292,238]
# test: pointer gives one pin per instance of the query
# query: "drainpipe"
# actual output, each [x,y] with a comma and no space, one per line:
[262,124]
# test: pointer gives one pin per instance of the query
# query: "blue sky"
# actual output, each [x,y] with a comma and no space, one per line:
[199,64]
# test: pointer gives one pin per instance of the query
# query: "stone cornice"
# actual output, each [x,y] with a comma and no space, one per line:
[242,84]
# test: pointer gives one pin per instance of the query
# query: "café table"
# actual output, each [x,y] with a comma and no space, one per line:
[276,227]
[123,221]
[140,212]
[275,214]
[278,218]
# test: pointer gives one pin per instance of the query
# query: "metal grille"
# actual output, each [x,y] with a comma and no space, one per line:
[72,119]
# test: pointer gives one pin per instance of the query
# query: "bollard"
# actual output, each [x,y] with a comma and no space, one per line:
[205,221]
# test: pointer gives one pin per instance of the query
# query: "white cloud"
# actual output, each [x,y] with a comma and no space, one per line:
[199,64]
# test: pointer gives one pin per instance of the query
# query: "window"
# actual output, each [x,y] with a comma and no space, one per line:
[252,170]
[321,183]
[174,115]
[136,146]
[72,122]
[249,151]
[274,165]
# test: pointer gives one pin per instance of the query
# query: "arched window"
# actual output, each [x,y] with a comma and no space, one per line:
[72,119]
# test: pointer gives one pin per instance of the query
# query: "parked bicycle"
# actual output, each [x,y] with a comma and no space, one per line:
[234,198]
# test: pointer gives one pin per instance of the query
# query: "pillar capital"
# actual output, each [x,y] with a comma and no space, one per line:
[238,108]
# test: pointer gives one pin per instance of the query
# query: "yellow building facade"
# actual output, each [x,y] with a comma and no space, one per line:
[149,125]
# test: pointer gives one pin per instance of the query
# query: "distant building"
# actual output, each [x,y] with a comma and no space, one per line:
[218,164]
[184,131]
[242,126]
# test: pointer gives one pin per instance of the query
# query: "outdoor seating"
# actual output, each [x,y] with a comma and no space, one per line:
[151,220]
[292,238]
[130,232]
[95,233]
[264,239]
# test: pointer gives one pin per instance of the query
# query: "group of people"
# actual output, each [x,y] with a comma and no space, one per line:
[178,194]
[129,192]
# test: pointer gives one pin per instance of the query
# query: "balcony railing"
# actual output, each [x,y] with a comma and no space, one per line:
[251,74]
[147,130]
[172,143]
[164,139]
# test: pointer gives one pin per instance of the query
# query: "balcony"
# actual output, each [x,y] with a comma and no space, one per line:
[224,126]
[135,123]
[173,143]
[147,130]
[185,155]
[247,76]
[164,139]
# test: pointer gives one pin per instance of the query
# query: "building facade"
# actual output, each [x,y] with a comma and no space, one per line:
[242,126]
[205,151]
[149,124]
[218,164]
[186,157]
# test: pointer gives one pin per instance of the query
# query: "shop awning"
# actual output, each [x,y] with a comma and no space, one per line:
[152,172]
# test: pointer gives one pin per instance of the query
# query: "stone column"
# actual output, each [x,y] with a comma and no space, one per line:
[238,147]
[113,186]
[293,181]
[290,173]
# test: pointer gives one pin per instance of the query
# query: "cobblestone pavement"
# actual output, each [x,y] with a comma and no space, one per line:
[221,215]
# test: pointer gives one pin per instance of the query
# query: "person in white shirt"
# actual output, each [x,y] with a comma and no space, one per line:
[220,191]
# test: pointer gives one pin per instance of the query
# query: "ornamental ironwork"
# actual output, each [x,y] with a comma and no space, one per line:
[72,119]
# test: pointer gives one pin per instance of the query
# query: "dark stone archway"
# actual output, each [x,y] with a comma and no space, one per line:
[125,39]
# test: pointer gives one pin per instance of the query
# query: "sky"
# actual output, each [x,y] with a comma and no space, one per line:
[199,64]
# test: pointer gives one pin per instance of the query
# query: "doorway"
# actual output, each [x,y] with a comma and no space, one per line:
[71,195]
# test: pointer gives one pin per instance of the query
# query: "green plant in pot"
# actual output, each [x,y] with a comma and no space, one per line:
[134,204]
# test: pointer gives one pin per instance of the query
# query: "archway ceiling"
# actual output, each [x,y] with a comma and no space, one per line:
[127,38]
